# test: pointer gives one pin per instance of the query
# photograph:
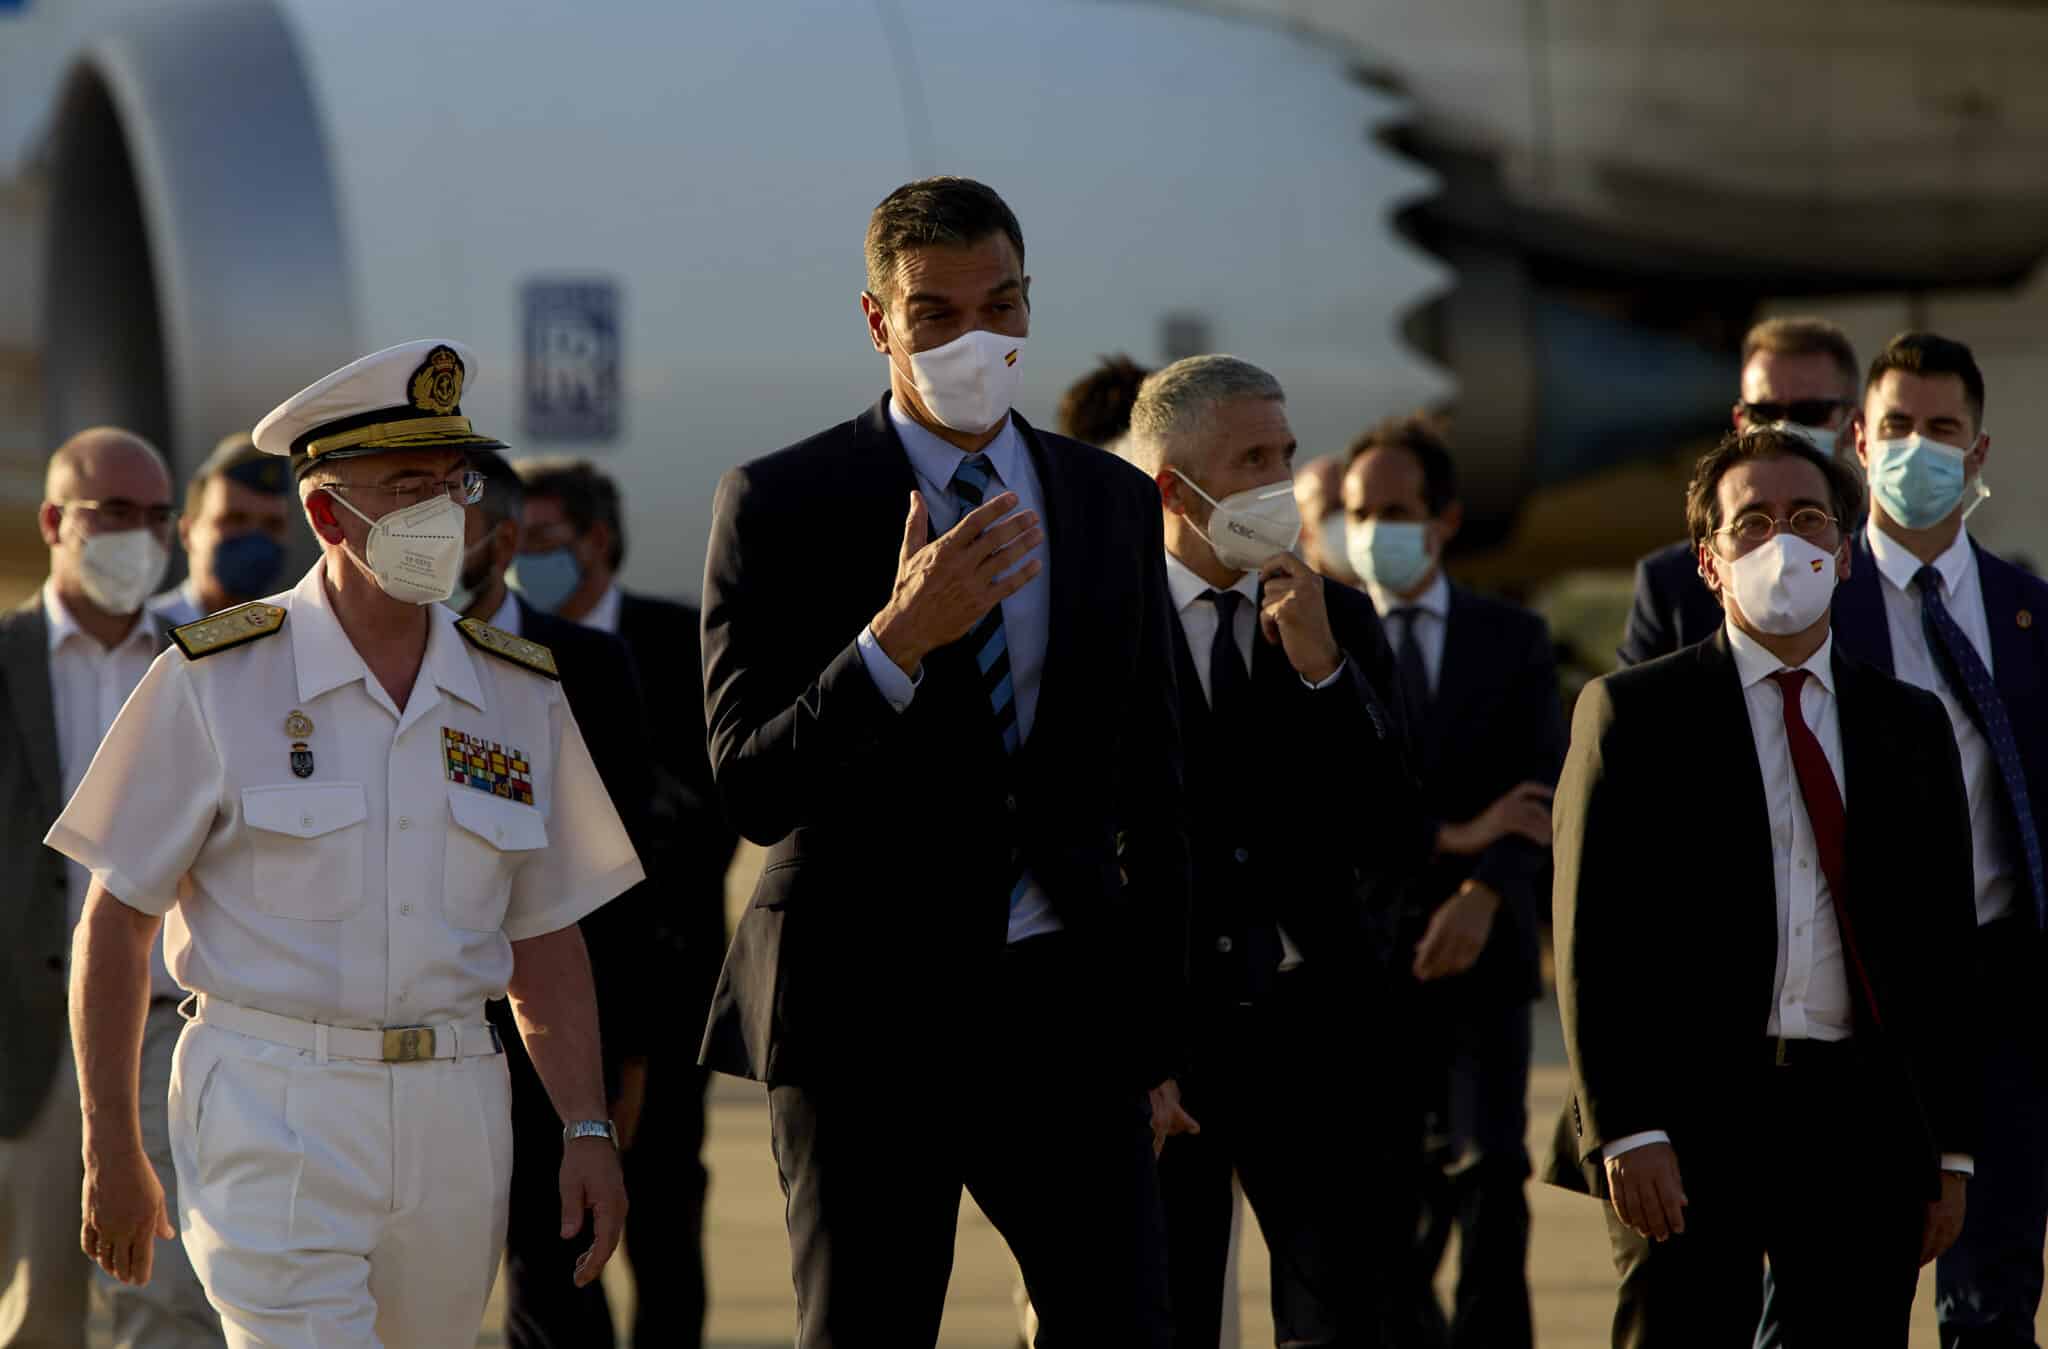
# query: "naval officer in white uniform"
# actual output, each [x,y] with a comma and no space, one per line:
[356,820]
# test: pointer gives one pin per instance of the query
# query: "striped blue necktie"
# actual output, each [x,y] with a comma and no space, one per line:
[970,487]
[1971,683]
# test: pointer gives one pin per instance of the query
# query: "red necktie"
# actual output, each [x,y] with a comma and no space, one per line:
[1830,823]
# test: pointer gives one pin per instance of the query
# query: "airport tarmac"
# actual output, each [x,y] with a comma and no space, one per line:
[752,1306]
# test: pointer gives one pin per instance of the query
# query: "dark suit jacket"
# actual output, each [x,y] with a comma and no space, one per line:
[694,843]
[35,919]
[1666,916]
[1673,607]
[1495,721]
[2016,616]
[878,924]
[604,692]
[1317,863]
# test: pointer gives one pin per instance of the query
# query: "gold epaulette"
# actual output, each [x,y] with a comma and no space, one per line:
[239,626]
[505,646]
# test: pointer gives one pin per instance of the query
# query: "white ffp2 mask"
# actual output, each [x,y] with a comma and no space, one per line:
[1249,529]
[1783,585]
[414,554]
[119,571]
[971,382]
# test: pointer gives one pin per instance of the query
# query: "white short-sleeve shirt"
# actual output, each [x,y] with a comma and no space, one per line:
[384,887]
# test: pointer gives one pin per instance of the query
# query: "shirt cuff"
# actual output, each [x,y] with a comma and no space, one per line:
[1329,679]
[1632,1142]
[896,687]
[1959,1162]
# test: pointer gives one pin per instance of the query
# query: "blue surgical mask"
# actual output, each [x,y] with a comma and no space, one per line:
[1916,480]
[547,579]
[1390,554]
[247,565]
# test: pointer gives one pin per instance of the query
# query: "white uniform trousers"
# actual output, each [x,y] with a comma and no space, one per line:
[43,1274]
[342,1203]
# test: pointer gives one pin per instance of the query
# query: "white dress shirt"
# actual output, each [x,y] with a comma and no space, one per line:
[379,890]
[1027,615]
[1812,998]
[1198,621]
[88,685]
[507,617]
[1431,623]
[1991,845]
[604,615]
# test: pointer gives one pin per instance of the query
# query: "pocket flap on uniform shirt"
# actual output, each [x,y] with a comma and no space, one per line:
[507,826]
[304,812]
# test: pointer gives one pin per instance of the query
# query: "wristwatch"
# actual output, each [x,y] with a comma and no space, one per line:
[589,1128]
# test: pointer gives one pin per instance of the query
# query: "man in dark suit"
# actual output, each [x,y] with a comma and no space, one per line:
[1930,605]
[1797,373]
[571,547]
[1480,693]
[1772,1041]
[544,1309]
[1278,667]
[940,691]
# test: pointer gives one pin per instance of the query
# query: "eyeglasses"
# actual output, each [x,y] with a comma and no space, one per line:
[1753,527]
[464,489]
[117,515]
[1800,411]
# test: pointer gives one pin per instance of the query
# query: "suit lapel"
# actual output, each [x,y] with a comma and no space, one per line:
[2014,668]
[1065,530]
[25,664]
[1456,678]
[1859,617]
[1725,728]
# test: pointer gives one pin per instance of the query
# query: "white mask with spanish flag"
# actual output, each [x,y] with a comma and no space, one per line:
[1783,585]
[969,383]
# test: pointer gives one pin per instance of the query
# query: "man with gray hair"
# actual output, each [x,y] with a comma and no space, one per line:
[1275,665]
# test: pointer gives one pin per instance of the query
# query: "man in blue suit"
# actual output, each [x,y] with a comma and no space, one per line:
[1797,373]
[1925,602]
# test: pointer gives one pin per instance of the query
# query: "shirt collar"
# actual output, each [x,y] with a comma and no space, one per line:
[327,659]
[1899,567]
[1754,664]
[62,624]
[604,615]
[1435,601]
[1188,589]
[507,617]
[936,460]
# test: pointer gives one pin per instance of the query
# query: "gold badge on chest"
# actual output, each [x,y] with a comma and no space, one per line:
[299,727]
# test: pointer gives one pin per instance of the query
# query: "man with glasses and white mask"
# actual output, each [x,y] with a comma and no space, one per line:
[1763,920]
[68,660]
[356,819]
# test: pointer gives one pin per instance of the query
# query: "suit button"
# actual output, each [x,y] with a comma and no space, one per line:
[1010,803]
[405,822]
[1242,855]
[1223,945]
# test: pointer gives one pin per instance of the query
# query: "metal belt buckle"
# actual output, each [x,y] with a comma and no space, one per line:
[408,1044]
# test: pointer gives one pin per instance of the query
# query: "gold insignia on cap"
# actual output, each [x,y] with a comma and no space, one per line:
[229,628]
[437,385]
[505,646]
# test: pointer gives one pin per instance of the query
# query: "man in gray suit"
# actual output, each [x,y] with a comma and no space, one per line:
[69,658]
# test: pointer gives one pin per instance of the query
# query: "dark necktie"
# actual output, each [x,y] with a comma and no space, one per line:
[1409,671]
[990,647]
[1964,672]
[1230,706]
[1823,797]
